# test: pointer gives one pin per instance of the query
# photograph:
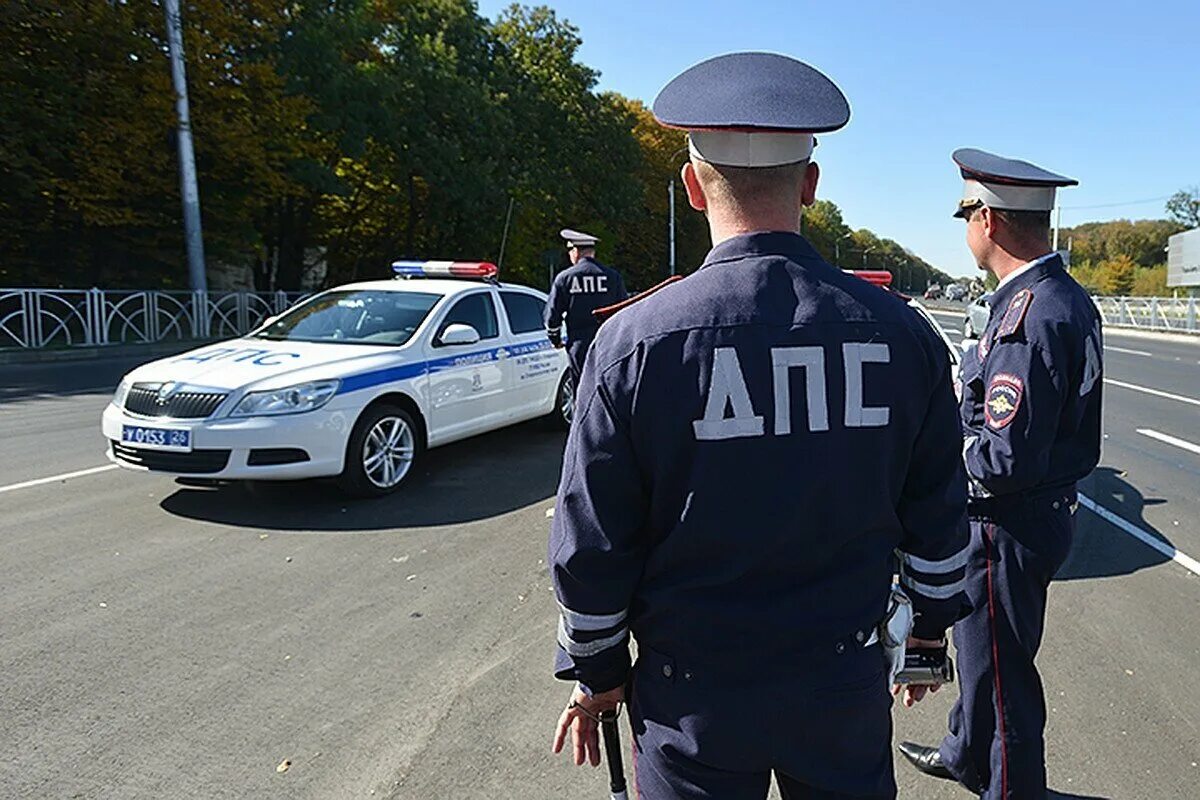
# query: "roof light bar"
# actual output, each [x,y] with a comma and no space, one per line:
[479,270]
[879,277]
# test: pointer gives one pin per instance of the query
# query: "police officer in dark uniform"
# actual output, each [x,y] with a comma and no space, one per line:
[578,291]
[1030,411]
[751,446]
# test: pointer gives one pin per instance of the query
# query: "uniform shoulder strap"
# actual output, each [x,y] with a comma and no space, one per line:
[601,315]
[1014,316]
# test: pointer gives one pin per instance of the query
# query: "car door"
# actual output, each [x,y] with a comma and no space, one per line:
[535,365]
[467,382]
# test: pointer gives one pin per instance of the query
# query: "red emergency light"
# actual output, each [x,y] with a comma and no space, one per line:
[478,270]
[879,277]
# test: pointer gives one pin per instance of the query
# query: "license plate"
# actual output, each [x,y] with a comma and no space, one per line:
[158,438]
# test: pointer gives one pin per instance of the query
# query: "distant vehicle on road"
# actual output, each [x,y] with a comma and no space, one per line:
[976,319]
[956,292]
[934,292]
[883,279]
[353,383]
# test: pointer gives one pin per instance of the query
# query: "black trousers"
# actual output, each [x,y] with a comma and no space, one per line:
[995,745]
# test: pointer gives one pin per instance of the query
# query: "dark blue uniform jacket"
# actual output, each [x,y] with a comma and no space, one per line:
[1032,388]
[578,291]
[750,447]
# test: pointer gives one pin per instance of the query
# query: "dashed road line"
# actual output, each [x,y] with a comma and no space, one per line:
[1116,349]
[1182,559]
[56,478]
[1182,444]
[1156,392]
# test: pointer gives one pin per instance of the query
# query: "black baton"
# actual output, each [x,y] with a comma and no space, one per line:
[612,754]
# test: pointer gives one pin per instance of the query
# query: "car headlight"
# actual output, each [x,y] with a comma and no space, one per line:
[122,392]
[289,400]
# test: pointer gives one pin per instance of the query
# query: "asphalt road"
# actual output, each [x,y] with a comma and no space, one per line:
[164,641]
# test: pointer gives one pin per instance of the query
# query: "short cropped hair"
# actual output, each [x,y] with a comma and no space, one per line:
[750,187]
[1026,224]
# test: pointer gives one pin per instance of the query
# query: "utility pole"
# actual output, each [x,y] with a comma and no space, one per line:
[1057,225]
[504,239]
[671,213]
[187,156]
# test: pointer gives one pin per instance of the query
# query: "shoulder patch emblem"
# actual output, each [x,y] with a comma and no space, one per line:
[1003,399]
[1015,314]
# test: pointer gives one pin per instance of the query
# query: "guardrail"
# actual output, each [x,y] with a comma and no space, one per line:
[35,318]
[1150,313]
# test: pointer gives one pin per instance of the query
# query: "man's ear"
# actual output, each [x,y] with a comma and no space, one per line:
[691,184]
[988,221]
[808,187]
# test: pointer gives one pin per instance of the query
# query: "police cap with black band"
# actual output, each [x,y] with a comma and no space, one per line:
[752,109]
[1007,184]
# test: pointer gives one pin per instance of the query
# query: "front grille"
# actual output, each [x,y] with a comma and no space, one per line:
[197,462]
[143,401]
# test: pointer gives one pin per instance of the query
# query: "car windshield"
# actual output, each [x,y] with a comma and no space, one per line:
[354,317]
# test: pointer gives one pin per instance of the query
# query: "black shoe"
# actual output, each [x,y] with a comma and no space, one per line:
[926,759]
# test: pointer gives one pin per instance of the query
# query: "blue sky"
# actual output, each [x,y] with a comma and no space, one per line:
[1105,92]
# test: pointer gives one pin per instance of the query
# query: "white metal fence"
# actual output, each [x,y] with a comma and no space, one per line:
[1150,313]
[34,318]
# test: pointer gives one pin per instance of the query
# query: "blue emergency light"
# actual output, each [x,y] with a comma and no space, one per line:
[477,270]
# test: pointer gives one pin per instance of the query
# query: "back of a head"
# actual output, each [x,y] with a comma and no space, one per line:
[752,193]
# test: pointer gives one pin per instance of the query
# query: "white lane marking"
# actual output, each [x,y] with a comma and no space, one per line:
[55,478]
[1162,437]
[1154,392]
[1116,349]
[1182,559]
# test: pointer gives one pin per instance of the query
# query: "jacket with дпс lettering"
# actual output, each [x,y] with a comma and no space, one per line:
[751,445]
[1031,389]
[576,292]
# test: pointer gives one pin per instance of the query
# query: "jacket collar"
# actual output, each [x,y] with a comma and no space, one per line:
[765,243]
[1025,277]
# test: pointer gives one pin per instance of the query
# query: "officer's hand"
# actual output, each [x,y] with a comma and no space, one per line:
[915,692]
[580,718]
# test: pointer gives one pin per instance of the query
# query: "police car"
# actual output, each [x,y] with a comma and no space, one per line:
[355,382]
[883,279]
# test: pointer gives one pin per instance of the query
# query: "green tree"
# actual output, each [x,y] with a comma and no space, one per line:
[1184,207]
[1117,275]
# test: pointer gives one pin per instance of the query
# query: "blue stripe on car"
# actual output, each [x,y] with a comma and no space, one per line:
[366,380]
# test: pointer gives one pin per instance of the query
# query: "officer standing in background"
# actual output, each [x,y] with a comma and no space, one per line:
[578,291]
[1031,417]
[751,445]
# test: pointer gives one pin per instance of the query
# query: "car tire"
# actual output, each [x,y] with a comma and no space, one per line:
[560,417]
[384,447]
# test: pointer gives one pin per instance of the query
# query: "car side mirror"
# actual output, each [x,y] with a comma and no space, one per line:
[458,334]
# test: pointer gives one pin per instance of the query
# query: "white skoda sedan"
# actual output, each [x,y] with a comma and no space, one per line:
[355,382]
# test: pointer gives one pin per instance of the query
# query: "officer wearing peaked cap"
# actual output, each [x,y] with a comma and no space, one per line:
[751,446]
[1030,411]
[578,291]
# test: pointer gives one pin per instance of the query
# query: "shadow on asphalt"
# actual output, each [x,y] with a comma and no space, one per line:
[478,478]
[1053,795]
[1100,550]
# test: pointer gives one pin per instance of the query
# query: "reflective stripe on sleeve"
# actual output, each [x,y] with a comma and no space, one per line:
[578,621]
[948,564]
[587,649]
[934,592]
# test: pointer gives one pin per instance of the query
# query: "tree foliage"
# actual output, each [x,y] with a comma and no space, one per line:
[1184,207]
[331,137]
[1121,257]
